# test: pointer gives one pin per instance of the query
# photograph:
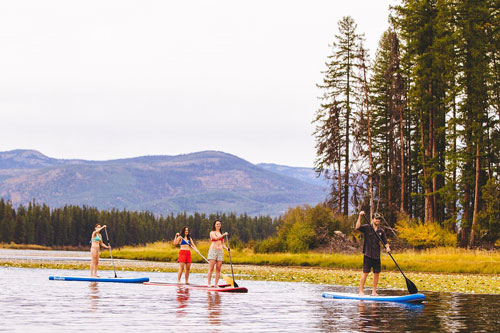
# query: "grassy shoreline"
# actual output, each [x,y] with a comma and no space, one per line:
[436,282]
[439,260]
[462,271]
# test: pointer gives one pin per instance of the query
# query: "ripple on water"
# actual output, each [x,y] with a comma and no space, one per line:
[30,302]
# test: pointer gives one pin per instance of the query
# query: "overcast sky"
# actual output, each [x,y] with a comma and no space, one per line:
[112,79]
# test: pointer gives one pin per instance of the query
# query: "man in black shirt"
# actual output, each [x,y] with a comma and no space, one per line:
[371,251]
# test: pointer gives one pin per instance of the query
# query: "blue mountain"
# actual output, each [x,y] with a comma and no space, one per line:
[208,182]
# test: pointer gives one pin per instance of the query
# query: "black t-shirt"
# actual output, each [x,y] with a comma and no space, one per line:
[371,247]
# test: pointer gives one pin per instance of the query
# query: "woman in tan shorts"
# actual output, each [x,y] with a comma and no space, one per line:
[216,252]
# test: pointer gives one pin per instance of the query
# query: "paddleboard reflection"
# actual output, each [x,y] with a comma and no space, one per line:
[182,301]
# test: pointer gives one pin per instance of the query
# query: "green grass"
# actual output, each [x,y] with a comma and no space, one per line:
[15,246]
[442,269]
[440,260]
[439,282]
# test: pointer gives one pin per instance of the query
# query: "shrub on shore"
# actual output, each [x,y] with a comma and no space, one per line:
[424,235]
[305,228]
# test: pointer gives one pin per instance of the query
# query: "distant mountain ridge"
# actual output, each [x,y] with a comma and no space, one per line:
[208,181]
[307,175]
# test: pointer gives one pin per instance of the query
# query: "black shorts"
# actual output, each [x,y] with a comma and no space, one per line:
[369,263]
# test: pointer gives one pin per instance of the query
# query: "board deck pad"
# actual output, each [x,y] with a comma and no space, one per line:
[99,279]
[220,288]
[412,298]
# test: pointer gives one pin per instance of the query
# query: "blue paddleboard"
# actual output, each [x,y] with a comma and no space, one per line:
[412,298]
[93,279]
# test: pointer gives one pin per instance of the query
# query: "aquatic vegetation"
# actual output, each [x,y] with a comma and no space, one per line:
[443,260]
[455,283]
[440,269]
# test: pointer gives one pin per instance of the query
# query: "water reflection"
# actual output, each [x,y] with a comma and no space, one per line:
[214,308]
[182,301]
[30,302]
[368,318]
[375,316]
[94,296]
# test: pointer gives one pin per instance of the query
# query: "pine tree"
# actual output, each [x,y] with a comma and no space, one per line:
[422,27]
[387,102]
[333,119]
[472,18]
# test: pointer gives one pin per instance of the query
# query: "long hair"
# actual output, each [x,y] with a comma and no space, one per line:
[213,226]
[183,230]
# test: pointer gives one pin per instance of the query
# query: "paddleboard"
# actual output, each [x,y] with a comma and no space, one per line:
[221,288]
[413,298]
[98,279]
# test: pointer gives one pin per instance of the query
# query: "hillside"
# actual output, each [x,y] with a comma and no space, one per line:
[307,175]
[208,181]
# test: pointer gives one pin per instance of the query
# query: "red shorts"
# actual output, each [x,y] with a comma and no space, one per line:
[184,256]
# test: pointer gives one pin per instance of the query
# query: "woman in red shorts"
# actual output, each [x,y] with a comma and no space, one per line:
[184,239]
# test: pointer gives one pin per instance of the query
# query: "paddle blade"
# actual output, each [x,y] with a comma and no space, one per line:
[229,280]
[412,288]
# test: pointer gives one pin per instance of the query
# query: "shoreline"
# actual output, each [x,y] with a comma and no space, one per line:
[435,282]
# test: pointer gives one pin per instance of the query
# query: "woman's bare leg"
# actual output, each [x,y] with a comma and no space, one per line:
[96,264]
[210,270]
[217,272]
[94,257]
[179,273]
[186,275]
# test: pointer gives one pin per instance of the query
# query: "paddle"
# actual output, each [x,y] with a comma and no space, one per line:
[230,261]
[226,278]
[111,254]
[412,288]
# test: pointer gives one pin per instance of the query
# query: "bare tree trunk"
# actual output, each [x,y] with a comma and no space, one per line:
[402,157]
[497,86]
[467,213]
[476,199]
[347,131]
[391,164]
[429,214]
[424,168]
[432,144]
[409,186]
[340,184]
[370,157]
[454,176]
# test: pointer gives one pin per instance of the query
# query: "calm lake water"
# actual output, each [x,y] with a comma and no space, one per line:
[30,302]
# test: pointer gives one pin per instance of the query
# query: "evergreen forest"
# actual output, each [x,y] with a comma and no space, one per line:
[73,226]
[415,132]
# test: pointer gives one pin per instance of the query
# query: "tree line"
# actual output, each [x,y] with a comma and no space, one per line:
[73,225]
[416,130]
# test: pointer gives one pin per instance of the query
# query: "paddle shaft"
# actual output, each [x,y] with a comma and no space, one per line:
[409,283]
[230,261]
[196,250]
[110,254]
